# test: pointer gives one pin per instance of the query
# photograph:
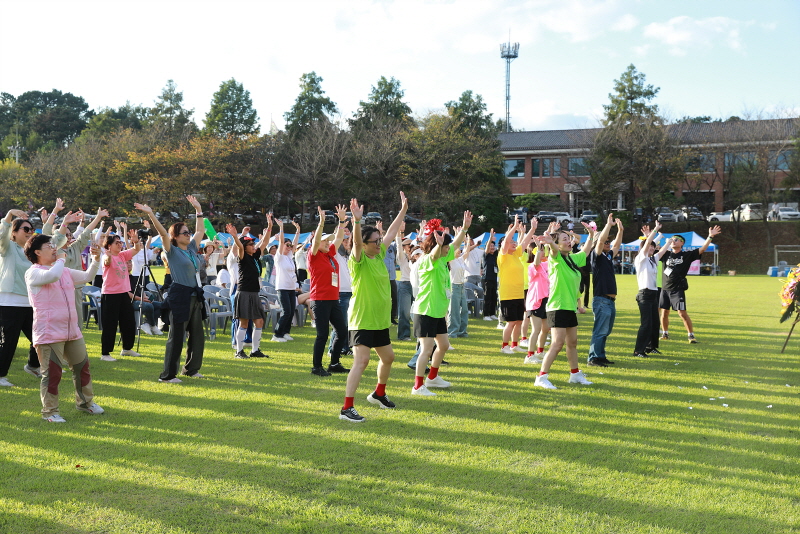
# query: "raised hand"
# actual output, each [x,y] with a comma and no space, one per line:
[321,213]
[44,214]
[95,251]
[296,225]
[589,228]
[611,219]
[439,237]
[141,207]
[619,225]
[379,226]
[646,230]
[341,212]
[59,206]
[403,201]
[73,217]
[18,213]
[714,231]
[231,229]
[279,222]
[356,210]
[534,223]
[194,202]
[658,226]
[467,220]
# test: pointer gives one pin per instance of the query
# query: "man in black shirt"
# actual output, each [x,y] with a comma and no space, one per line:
[489,274]
[676,266]
[605,290]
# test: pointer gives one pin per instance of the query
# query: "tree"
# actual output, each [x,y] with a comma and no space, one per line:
[311,105]
[384,106]
[231,111]
[471,112]
[169,112]
[631,99]
[108,120]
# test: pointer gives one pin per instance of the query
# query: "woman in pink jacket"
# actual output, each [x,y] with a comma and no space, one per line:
[56,335]
[116,304]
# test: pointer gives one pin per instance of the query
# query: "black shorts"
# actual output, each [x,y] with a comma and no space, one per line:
[672,299]
[562,319]
[427,326]
[513,310]
[369,338]
[541,311]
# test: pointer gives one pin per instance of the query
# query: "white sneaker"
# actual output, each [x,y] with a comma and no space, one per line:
[437,383]
[450,347]
[532,359]
[144,327]
[313,324]
[523,343]
[578,378]
[32,371]
[4,382]
[519,349]
[156,331]
[175,380]
[108,358]
[494,318]
[279,339]
[501,326]
[287,337]
[489,318]
[507,350]
[422,390]
[543,382]
[128,352]
[92,408]
[55,418]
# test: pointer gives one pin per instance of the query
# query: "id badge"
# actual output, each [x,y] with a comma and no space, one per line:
[668,271]
[335,279]
[197,277]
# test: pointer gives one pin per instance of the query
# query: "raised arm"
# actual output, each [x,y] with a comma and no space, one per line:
[537,258]
[266,235]
[649,236]
[459,238]
[711,233]
[358,244]
[318,232]
[341,215]
[388,237]
[615,246]
[509,238]
[238,249]
[588,245]
[598,246]
[296,239]
[281,235]
[200,227]
[526,239]
[166,244]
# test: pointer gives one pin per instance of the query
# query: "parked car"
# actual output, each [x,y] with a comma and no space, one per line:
[679,217]
[665,215]
[721,216]
[588,216]
[691,213]
[305,217]
[330,216]
[751,212]
[411,220]
[372,217]
[521,214]
[546,217]
[563,217]
[786,214]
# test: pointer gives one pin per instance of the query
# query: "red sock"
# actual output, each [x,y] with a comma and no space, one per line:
[539,349]
[418,381]
[380,390]
[530,353]
[348,402]
[573,371]
[523,338]
[513,344]
[505,345]
[434,373]
[542,373]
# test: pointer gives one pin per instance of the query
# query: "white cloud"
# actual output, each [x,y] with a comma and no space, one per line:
[626,23]
[684,33]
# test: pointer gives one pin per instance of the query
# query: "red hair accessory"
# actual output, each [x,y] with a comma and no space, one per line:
[431,226]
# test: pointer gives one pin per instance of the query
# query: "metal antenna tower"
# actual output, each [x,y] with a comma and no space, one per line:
[509,51]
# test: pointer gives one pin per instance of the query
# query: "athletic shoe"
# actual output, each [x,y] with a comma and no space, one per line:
[382,401]
[532,359]
[443,364]
[422,390]
[55,418]
[175,380]
[319,371]
[692,339]
[507,350]
[287,337]
[605,361]
[107,358]
[500,326]
[156,331]
[640,355]
[241,355]
[437,383]
[313,324]
[665,335]
[404,339]
[337,368]
[543,382]
[92,408]
[32,371]
[578,378]
[128,352]
[523,343]
[489,318]
[4,382]
[451,347]
[196,375]
[597,362]
[653,351]
[144,327]
[279,339]
[495,318]
[351,415]
[258,354]
[519,349]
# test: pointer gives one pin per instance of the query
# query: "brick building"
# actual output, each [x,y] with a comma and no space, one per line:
[554,162]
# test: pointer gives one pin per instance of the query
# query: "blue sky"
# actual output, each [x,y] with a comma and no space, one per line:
[709,57]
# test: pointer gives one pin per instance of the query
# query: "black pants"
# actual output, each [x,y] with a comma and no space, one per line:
[489,298]
[194,345]
[288,305]
[328,312]
[117,309]
[393,284]
[15,320]
[647,338]
[584,287]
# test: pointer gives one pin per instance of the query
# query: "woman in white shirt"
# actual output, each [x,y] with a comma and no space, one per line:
[458,316]
[646,264]
[286,283]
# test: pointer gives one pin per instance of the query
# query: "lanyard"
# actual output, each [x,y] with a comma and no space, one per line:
[191,258]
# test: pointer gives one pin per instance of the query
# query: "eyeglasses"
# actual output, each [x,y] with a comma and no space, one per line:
[185,233]
[27,229]
[49,245]
[372,241]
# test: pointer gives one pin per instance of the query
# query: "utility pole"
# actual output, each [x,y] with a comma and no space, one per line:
[509,51]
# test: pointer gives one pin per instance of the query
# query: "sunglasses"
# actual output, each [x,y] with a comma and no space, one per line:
[27,229]
[185,233]
[372,241]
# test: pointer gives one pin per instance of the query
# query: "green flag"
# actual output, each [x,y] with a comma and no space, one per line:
[210,232]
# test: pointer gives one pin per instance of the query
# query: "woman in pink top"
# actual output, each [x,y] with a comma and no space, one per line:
[536,301]
[116,307]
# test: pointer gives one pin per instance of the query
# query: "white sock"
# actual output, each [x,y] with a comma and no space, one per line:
[240,333]
[256,339]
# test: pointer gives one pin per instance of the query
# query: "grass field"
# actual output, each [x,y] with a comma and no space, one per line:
[257,445]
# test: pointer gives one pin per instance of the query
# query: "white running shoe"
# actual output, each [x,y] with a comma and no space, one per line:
[422,390]
[279,339]
[32,371]
[175,380]
[129,352]
[287,337]
[4,382]
[108,358]
[156,331]
[500,326]
[523,343]
[578,378]
[489,318]
[507,350]
[144,327]
[532,359]
[55,418]
[437,383]
[543,382]
[519,349]
[92,408]
[494,318]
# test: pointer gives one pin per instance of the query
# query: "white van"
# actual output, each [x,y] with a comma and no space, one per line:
[751,212]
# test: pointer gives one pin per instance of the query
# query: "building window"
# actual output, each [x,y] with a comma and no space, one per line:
[534,168]
[739,159]
[577,167]
[545,167]
[515,168]
[702,163]
[556,167]
[779,161]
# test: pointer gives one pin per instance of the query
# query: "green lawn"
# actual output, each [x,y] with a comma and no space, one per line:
[257,446]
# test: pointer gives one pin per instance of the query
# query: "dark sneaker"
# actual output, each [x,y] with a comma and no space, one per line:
[382,401]
[640,355]
[347,352]
[258,354]
[319,371]
[653,351]
[241,355]
[597,362]
[692,339]
[351,415]
[337,368]
[665,335]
